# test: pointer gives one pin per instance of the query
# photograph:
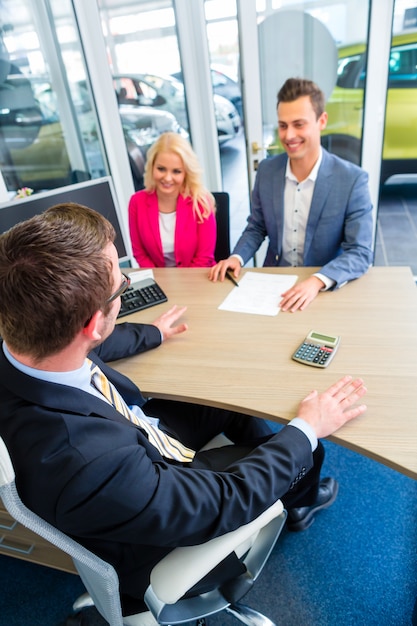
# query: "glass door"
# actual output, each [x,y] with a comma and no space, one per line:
[326,43]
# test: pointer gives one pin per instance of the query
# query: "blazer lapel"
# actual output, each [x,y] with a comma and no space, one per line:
[320,194]
[182,230]
[152,232]
[278,186]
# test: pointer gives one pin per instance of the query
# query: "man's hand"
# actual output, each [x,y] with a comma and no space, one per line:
[165,322]
[328,411]
[300,296]
[219,270]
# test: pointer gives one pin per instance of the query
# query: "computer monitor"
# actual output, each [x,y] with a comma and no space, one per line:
[97,194]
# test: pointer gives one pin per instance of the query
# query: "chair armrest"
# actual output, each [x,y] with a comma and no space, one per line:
[182,568]
[6,467]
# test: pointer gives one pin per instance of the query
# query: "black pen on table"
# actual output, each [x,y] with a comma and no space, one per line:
[230,276]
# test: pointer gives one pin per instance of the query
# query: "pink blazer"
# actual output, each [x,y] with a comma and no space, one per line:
[194,242]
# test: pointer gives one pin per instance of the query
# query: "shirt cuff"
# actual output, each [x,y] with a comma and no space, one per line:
[328,282]
[308,430]
[239,258]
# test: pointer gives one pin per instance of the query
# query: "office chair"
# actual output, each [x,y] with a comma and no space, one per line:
[222,250]
[172,577]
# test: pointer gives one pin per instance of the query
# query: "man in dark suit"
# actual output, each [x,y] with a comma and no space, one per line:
[314,207]
[94,470]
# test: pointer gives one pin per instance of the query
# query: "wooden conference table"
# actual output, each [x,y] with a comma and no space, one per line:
[243,361]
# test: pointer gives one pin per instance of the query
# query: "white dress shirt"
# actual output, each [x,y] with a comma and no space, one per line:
[297,202]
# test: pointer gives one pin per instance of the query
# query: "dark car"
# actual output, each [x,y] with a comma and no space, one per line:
[33,150]
[224,86]
[141,127]
[165,93]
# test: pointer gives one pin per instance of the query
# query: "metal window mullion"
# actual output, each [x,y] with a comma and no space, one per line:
[195,62]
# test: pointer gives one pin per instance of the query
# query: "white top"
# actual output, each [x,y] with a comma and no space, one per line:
[297,202]
[167,223]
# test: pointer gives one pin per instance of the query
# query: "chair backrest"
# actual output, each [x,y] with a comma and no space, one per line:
[99,577]
[222,250]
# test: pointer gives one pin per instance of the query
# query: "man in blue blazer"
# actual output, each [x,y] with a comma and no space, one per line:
[314,207]
[95,472]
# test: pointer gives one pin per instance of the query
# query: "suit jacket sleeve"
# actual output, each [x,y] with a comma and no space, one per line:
[109,487]
[106,482]
[127,340]
[342,224]
[266,214]
[123,496]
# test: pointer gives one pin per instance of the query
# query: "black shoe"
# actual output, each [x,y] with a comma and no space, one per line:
[303,517]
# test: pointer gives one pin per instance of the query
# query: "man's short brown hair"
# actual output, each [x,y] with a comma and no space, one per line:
[53,277]
[295,88]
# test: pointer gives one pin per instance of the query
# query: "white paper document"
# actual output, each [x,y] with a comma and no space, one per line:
[258,293]
[140,275]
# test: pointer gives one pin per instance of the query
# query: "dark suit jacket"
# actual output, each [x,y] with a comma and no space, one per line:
[88,471]
[339,231]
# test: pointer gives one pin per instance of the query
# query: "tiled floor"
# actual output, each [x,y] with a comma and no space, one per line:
[396,235]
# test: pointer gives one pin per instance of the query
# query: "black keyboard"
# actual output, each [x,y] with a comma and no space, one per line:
[141,295]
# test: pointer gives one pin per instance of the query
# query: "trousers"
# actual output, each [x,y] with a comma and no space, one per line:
[195,425]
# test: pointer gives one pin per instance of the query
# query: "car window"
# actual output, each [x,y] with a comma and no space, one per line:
[170,86]
[350,74]
[177,88]
[127,88]
[80,97]
[47,101]
[403,67]
[147,90]
[218,80]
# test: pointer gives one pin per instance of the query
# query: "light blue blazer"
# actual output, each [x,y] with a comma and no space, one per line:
[339,232]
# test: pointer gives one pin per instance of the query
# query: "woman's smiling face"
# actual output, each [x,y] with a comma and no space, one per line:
[169,174]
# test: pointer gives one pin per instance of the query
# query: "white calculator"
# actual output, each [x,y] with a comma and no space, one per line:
[317,349]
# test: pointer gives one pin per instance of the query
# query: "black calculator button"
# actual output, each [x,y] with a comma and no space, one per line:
[314,354]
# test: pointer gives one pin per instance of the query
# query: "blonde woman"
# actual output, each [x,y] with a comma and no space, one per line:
[172,221]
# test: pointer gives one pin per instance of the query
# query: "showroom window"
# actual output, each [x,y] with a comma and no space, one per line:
[49,133]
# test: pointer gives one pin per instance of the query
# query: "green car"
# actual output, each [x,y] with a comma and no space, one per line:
[345,107]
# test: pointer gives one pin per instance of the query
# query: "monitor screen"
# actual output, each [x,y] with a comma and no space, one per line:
[97,194]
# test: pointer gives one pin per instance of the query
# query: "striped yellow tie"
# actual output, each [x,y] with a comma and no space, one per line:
[167,446]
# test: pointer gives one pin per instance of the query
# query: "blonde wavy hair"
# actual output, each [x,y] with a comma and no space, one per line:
[203,200]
